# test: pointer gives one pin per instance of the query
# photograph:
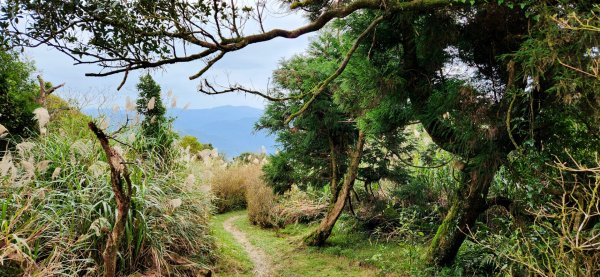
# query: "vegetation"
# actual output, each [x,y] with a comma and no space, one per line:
[288,258]
[467,129]
[17,98]
[229,185]
[155,126]
[58,208]
[193,145]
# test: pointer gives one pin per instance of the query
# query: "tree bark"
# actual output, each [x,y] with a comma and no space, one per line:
[41,99]
[118,174]
[469,202]
[334,169]
[319,236]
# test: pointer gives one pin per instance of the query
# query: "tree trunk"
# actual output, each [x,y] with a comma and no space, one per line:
[319,236]
[41,99]
[469,202]
[112,244]
[118,173]
[334,169]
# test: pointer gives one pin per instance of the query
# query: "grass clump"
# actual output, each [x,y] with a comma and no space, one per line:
[57,208]
[229,184]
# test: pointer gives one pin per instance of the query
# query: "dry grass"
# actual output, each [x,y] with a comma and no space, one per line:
[57,207]
[241,186]
[261,203]
[229,185]
[298,207]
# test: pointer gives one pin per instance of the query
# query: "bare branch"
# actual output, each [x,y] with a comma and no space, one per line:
[45,92]
[209,89]
[210,63]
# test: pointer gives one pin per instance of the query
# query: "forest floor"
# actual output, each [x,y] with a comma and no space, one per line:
[247,250]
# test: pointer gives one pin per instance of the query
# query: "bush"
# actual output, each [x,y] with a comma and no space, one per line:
[563,234]
[260,201]
[193,144]
[229,185]
[297,206]
[17,97]
[57,208]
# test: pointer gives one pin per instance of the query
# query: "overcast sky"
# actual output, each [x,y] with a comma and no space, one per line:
[250,67]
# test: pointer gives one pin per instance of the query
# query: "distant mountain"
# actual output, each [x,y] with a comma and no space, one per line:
[230,129]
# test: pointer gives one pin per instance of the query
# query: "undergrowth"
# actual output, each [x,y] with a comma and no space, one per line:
[57,207]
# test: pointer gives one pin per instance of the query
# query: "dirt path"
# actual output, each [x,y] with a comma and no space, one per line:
[262,263]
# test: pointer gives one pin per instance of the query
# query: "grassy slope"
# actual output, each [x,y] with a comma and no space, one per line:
[347,254]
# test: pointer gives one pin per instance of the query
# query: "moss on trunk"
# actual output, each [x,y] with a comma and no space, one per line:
[468,203]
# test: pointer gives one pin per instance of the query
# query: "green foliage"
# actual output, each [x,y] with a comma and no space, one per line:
[157,136]
[280,172]
[58,207]
[150,105]
[17,96]
[193,144]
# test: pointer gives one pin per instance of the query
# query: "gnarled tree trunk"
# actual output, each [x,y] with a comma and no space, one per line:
[319,236]
[469,202]
[41,99]
[118,173]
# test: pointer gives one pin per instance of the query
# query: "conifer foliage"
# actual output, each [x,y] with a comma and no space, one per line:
[155,127]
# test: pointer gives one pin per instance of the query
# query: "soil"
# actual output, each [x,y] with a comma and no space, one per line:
[261,261]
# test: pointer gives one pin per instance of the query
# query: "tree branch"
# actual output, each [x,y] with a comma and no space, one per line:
[142,35]
[323,85]
[209,89]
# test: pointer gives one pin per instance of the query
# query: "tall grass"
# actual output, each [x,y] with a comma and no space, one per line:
[228,184]
[261,201]
[57,207]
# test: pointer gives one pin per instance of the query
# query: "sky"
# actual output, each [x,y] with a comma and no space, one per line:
[251,67]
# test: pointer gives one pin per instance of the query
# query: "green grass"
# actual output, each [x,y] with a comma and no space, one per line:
[394,258]
[287,255]
[233,260]
[347,253]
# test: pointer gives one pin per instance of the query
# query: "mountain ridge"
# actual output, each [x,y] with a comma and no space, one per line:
[230,129]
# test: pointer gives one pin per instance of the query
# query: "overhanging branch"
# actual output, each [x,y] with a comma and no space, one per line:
[323,85]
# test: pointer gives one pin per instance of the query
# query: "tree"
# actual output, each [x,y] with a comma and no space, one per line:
[322,143]
[156,127]
[150,105]
[315,147]
[131,35]
[17,97]
[194,145]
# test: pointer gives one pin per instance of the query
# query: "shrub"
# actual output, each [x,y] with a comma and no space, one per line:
[229,185]
[297,206]
[563,238]
[261,202]
[193,144]
[17,97]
